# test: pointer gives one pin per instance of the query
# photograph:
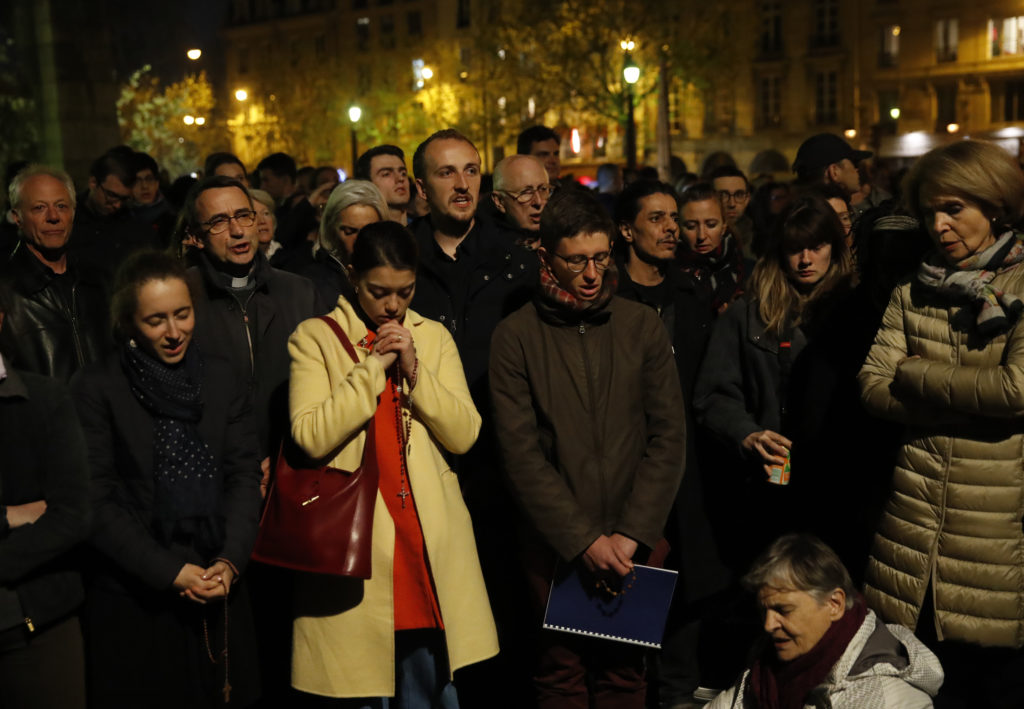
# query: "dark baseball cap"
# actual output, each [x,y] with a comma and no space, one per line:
[825,149]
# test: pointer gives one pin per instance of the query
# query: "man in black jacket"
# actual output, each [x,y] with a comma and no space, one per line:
[245,309]
[57,321]
[44,513]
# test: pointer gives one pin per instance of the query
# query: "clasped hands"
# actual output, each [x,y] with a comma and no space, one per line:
[395,342]
[195,583]
[610,554]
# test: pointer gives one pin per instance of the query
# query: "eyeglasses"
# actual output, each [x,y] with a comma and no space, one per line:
[114,197]
[737,196]
[577,263]
[219,224]
[526,195]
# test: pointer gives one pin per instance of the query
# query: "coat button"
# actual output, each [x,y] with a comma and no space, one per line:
[487,277]
[508,276]
[441,318]
[522,267]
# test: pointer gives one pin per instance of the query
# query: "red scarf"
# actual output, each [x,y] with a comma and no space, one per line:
[556,295]
[785,685]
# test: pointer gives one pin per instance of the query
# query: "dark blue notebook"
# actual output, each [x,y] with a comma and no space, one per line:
[636,616]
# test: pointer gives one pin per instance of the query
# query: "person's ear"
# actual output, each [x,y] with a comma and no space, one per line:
[627,232]
[92,183]
[16,217]
[420,189]
[836,603]
[498,204]
[832,171]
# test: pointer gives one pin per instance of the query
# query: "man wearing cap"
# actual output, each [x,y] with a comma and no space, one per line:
[828,159]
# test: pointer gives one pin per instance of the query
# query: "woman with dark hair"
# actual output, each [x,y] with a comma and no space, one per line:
[174,472]
[948,363]
[744,383]
[709,252]
[395,639]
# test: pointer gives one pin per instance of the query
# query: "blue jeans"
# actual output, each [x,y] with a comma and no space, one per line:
[421,675]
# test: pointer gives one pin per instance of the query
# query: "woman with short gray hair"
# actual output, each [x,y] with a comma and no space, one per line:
[824,647]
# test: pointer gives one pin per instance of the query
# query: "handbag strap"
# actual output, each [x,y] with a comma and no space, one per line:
[342,337]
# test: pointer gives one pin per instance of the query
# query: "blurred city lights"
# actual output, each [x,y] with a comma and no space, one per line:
[894,113]
[631,73]
[427,73]
[896,30]
[189,120]
[850,133]
[953,128]
[200,120]
[574,141]
[355,113]
[194,54]
[241,95]
[627,45]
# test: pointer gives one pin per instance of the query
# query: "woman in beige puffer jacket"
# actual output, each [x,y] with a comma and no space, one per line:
[948,361]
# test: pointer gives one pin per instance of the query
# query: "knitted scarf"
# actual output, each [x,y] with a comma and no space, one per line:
[554,294]
[186,483]
[785,685]
[972,279]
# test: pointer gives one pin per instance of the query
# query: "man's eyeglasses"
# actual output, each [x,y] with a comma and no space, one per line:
[219,224]
[526,195]
[114,197]
[577,263]
[737,196]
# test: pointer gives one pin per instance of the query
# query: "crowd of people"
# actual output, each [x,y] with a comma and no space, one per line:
[802,396]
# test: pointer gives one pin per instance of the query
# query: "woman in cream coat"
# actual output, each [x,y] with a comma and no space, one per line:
[347,632]
[948,556]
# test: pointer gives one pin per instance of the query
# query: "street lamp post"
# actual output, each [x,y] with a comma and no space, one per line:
[630,74]
[354,114]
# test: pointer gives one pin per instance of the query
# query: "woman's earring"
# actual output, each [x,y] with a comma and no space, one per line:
[132,343]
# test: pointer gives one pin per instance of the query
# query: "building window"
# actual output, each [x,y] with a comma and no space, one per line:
[771,27]
[387,32]
[462,13]
[1006,36]
[414,23]
[947,38]
[363,33]
[825,101]
[889,47]
[769,101]
[826,23]
[945,106]
[1011,96]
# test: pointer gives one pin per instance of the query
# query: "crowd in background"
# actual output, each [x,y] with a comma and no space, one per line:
[803,390]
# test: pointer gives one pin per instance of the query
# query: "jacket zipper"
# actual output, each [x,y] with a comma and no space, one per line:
[588,376]
[74,328]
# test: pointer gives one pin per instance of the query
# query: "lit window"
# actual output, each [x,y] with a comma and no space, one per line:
[1006,36]
[947,39]
[889,49]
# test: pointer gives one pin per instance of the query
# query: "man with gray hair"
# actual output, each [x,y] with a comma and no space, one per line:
[521,189]
[57,320]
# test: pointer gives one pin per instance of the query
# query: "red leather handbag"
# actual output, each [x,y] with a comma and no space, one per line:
[319,519]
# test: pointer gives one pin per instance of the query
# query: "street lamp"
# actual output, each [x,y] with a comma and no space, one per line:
[194,54]
[631,74]
[189,120]
[354,114]
[241,95]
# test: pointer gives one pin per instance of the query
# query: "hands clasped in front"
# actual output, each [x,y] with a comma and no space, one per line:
[608,554]
[197,584]
[395,342]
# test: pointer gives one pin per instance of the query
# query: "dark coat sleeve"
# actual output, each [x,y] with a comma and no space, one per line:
[64,478]
[657,477]
[719,398]
[542,492]
[241,473]
[118,531]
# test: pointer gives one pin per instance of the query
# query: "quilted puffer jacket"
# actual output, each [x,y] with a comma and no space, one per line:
[954,514]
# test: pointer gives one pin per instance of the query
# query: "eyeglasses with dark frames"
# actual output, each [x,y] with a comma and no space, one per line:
[577,263]
[219,224]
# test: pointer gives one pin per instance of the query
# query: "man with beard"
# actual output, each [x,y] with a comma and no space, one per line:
[384,166]
[470,276]
[587,408]
[57,320]
[521,189]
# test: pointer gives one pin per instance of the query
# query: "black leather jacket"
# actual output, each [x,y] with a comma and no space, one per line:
[55,324]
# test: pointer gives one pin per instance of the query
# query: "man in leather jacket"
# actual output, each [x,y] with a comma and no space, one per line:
[57,321]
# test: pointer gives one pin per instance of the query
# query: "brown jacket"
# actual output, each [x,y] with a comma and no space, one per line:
[590,421]
[954,514]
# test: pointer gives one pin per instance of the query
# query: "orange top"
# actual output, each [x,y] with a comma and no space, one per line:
[415,598]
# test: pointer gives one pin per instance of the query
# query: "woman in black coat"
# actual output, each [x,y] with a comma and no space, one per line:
[175,476]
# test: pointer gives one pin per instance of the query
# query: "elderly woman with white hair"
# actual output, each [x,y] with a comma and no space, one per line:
[823,646]
[352,205]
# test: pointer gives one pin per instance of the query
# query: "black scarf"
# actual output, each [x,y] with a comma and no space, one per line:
[187,490]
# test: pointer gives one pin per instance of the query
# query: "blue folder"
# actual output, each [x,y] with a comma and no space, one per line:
[637,616]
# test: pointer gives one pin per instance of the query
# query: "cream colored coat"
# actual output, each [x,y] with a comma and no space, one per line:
[955,511]
[344,637]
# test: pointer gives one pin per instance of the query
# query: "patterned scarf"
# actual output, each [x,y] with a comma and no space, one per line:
[972,278]
[553,293]
[186,485]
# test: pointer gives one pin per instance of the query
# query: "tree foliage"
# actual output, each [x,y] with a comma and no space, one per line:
[151,118]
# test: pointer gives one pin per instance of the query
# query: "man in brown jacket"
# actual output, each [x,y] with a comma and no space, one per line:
[590,421]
